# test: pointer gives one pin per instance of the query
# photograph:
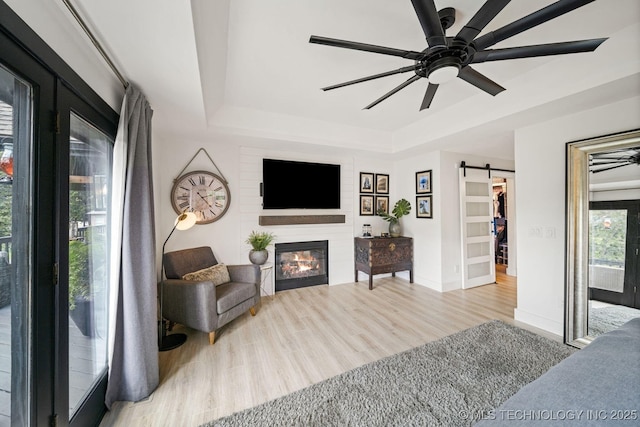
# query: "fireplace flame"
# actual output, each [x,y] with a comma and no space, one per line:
[299,264]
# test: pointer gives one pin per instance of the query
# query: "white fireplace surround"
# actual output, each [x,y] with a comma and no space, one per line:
[338,235]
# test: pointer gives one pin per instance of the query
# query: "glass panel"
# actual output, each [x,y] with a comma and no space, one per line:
[477,188]
[477,249]
[89,168]
[478,270]
[16,238]
[477,209]
[607,240]
[477,229]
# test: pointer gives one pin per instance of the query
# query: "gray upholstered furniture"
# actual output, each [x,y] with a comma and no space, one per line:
[596,386]
[200,304]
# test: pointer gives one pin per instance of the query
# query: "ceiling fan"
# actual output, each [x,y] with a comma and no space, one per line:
[448,57]
[600,162]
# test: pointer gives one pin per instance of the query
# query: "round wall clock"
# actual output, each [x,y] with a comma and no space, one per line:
[203,193]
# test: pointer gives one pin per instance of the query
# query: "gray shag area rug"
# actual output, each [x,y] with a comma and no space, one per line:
[605,319]
[449,382]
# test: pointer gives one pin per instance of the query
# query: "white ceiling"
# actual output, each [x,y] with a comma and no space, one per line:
[245,67]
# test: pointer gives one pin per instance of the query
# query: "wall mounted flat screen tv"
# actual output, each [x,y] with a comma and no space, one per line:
[300,185]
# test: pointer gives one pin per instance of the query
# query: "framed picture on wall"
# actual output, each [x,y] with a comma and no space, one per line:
[382,204]
[382,183]
[423,182]
[424,207]
[366,182]
[366,205]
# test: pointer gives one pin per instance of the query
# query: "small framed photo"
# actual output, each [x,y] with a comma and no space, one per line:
[366,182]
[366,205]
[425,207]
[382,183]
[382,204]
[423,182]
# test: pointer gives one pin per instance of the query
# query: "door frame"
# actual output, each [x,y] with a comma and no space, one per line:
[629,296]
[42,391]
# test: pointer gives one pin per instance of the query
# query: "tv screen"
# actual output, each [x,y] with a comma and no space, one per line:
[300,185]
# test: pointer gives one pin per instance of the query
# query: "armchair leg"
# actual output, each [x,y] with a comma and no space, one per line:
[212,337]
[252,310]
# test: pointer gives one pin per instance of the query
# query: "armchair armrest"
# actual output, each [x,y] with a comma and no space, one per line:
[248,273]
[190,303]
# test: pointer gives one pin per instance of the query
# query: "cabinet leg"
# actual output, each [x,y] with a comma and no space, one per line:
[411,276]
[356,275]
[370,282]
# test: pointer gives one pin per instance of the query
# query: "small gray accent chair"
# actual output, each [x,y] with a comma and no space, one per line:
[201,305]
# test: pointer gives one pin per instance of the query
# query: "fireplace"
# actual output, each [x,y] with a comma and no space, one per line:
[301,264]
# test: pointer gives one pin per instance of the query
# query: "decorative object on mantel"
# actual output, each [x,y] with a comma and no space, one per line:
[400,209]
[204,193]
[259,241]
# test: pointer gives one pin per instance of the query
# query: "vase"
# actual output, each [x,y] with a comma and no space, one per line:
[258,257]
[394,229]
[82,316]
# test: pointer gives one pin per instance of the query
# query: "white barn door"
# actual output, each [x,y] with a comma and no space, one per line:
[476,215]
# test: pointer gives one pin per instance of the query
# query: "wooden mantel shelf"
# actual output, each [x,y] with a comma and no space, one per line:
[300,219]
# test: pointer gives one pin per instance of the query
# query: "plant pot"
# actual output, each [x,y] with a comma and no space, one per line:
[82,316]
[394,229]
[258,257]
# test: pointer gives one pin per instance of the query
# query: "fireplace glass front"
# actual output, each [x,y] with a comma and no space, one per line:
[301,264]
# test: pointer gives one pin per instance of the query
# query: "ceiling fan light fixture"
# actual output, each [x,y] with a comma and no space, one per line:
[443,74]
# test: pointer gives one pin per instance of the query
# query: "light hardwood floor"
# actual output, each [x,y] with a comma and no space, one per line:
[300,337]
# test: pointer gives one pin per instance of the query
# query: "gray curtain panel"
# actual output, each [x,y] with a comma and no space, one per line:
[134,370]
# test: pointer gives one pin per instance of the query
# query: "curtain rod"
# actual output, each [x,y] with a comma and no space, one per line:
[96,43]
[487,167]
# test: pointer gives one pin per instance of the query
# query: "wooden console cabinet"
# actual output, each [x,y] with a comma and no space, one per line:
[378,255]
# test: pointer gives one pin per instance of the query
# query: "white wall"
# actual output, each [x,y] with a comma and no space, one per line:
[437,251]
[240,161]
[53,23]
[540,202]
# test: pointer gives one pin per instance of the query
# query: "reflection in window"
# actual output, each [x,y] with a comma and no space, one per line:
[89,172]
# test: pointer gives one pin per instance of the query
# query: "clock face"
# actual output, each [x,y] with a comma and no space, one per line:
[203,193]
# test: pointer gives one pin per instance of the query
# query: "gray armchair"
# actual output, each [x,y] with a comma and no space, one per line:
[200,304]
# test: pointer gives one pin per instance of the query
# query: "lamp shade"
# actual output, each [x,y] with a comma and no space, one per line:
[185,221]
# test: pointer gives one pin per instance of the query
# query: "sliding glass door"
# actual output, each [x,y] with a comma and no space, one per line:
[16,235]
[56,140]
[86,142]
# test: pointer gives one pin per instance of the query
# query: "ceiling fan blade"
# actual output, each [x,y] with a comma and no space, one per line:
[480,81]
[487,12]
[430,22]
[393,91]
[612,162]
[408,54]
[537,50]
[541,16]
[428,96]
[612,167]
[375,76]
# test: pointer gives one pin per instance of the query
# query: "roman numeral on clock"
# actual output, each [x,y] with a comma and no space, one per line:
[184,204]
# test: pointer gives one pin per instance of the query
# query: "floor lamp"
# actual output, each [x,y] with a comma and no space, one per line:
[166,342]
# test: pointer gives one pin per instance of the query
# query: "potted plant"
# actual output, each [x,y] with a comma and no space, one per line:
[400,209]
[85,279]
[259,241]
